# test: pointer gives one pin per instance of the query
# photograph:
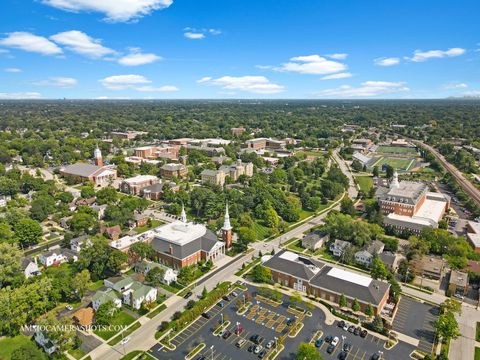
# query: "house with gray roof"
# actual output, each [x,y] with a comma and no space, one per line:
[315,240]
[365,256]
[338,247]
[104,295]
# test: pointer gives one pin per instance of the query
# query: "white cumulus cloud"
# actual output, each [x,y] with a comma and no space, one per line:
[62,82]
[20,95]
[419,55]
[455,86]
[312,64]
[253,84]
[12,70]
[136,58]
[115,10]
[366,89]
[341,56]
[343,75]
[387,61]
[30,42]
[82,44]
[133,82]
[194,36]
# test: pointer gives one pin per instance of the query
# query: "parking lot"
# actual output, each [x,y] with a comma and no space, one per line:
[416,320]
[264,319]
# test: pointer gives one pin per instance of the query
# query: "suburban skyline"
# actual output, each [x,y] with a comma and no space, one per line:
[170,49]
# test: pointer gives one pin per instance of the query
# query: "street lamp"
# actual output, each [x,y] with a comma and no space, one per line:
[380,353]
[244,301]
[276,341]
[343,341]
[211,348]
[222,317]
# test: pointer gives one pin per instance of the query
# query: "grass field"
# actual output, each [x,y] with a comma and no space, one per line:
[120,318]
[262,231]
[396,163]
[154,224]
[477,353]
[8,345]
[396,150]
[127,332]
[365,182]
[296,246]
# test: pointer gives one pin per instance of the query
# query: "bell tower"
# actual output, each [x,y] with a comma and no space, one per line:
[97,156]
[227,230]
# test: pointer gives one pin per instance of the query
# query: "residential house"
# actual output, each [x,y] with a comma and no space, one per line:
[338,247]
[112,232]
[105,295]
[139,220]
[473,235]
[155,191]
[44,342]
[429,266]
[30,267]
[315,240]
[57,257]
[138,293]
[237,131]
[77,243]
[365,256]
[391,260]
[145,266]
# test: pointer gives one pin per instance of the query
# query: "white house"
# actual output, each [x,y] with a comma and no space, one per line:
[364,257]
[4,199]
[138,294]
[338,247]
[77,243]
[103,296]
[58,256]
[41,339]
[145,266]
[30,267]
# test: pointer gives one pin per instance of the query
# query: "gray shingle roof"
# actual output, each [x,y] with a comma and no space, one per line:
[81,169]
[299,269]
[205,243]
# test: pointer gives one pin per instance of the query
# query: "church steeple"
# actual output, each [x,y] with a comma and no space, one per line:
[226,222]
[183,215]
[227,230]
[97,156]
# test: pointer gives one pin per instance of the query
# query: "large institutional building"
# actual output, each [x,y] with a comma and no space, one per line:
[408,205]
[327,282]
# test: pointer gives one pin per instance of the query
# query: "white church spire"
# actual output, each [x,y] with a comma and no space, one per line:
[226,223]
[395,184]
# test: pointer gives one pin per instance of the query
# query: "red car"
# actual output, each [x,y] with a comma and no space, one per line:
[239,330]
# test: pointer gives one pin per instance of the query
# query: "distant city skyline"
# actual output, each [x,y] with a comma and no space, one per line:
[172,49]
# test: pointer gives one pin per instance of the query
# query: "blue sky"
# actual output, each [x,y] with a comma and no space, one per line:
[239,49]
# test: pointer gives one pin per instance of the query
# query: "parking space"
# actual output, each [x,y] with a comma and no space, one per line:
[263,319]
[416,319]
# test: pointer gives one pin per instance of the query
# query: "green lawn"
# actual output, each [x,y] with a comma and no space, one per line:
[120,318]
[8,345]
[396,163]
[477,353]
[173,287]
[154,224]
[477,336]
[262,231]
[156,311]
[296,246]
[95,285]
[396,150]
[365,182]
[127,332]
[76,353]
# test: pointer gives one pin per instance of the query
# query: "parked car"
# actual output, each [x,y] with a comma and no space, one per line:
[342,355]
[269,344]
[187,295]
[254,337]
[239,330]
[226,335]
[330,349]
[240,343]
[376,357]
[262,354]
[206,315]
[363,333]
[328,339]
[335,341]
[347,347]
[319,342]
[226,298]
[69,307]
[221,304]
[351,329]
[250,348]
[201,357]
[341,324]
[345,326]
[257,349]
[234,294]
[220,334]
[358,330]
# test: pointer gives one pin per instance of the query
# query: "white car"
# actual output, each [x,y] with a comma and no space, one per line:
[345,327]
[69,307]
[335,341]
[269,344]
[257,349]
[220,334]
[125,340]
